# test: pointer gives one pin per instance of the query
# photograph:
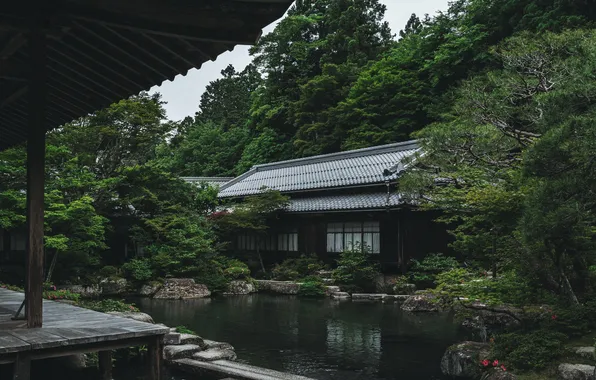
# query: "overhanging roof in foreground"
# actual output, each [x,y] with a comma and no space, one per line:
[99,52]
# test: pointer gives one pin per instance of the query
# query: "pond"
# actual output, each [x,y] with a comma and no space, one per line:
[322,339]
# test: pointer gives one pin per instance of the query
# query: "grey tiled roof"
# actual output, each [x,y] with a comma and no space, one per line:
[351,168]
[344,202]
[212,181]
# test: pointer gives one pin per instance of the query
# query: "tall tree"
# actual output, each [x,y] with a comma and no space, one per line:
[309,61]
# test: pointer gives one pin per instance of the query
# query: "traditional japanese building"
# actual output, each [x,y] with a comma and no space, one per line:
[339,201]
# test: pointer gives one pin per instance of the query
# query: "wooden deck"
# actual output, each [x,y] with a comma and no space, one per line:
[70,330]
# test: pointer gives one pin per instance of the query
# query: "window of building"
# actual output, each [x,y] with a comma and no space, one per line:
[345,236]
[17,242]
[288,241]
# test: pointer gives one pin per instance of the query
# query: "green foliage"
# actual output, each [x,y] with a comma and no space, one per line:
[514,158]
[185,330]
[218,271]
[109,271]
[61,295]
[508,288]
[297,268]
[138,270]
[426,271]
[529,350]
[108,304]
[355,271]
[312,287]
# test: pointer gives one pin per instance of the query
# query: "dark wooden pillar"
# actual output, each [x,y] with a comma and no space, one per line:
[22,368]
[154,357]
[35,169]
[105,365]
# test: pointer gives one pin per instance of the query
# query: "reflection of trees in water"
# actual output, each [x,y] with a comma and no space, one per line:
[356,342]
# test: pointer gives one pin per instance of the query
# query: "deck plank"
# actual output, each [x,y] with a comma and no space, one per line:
[65,325]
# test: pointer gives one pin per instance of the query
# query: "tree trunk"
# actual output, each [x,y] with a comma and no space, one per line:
[260,257]
[568,289]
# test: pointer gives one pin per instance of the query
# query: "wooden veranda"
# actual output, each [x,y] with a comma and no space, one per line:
[63,59]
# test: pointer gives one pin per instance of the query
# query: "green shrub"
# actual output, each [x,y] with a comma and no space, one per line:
[185,330]
[355,272]
[109,271]
[297,268]
[138,270]
[425,272]
[312,287]
[218,271]
[106,305]
[529,350]
[236,270]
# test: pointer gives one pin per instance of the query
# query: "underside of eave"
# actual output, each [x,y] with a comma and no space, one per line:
[100,52]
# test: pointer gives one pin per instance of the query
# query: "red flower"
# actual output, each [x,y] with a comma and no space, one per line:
[553,317]
[495,363]
[503,367]
[53,287]
[485,362]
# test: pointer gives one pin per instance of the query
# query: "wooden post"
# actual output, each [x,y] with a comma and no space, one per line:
[36,169]
[22,368]
[154,357]
[105,365]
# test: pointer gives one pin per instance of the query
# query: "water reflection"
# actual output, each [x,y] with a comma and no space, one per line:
[323,339]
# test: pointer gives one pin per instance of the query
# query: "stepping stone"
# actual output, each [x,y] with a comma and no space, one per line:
[172,338]
[213,344]
[568,371]
[584,352]
[180,352]
[192,339]
[340,296]
[367,297]
[214,354]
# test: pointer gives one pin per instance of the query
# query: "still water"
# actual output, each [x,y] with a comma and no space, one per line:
[322,339]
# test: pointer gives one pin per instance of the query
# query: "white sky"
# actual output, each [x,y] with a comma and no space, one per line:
[184,92]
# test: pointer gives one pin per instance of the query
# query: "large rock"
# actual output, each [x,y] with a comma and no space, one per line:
[279,287]
[215,354]
[113,286]
[141,317]
[239,287]
[498,374]
[421,302]
[462,360]
[568,371]
[182,288]
[180,352]
[148,290]
[92,291]
[482,317]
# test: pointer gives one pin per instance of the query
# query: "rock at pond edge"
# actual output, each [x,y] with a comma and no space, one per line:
[462,360]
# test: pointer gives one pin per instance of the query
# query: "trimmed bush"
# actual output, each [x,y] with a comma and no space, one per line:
[355,272]
[138,270]
[297,268]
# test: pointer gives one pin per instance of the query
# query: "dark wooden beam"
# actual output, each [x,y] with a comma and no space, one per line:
[36,172]
[244,36]
[105,365]
[154,358]
[22,367]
